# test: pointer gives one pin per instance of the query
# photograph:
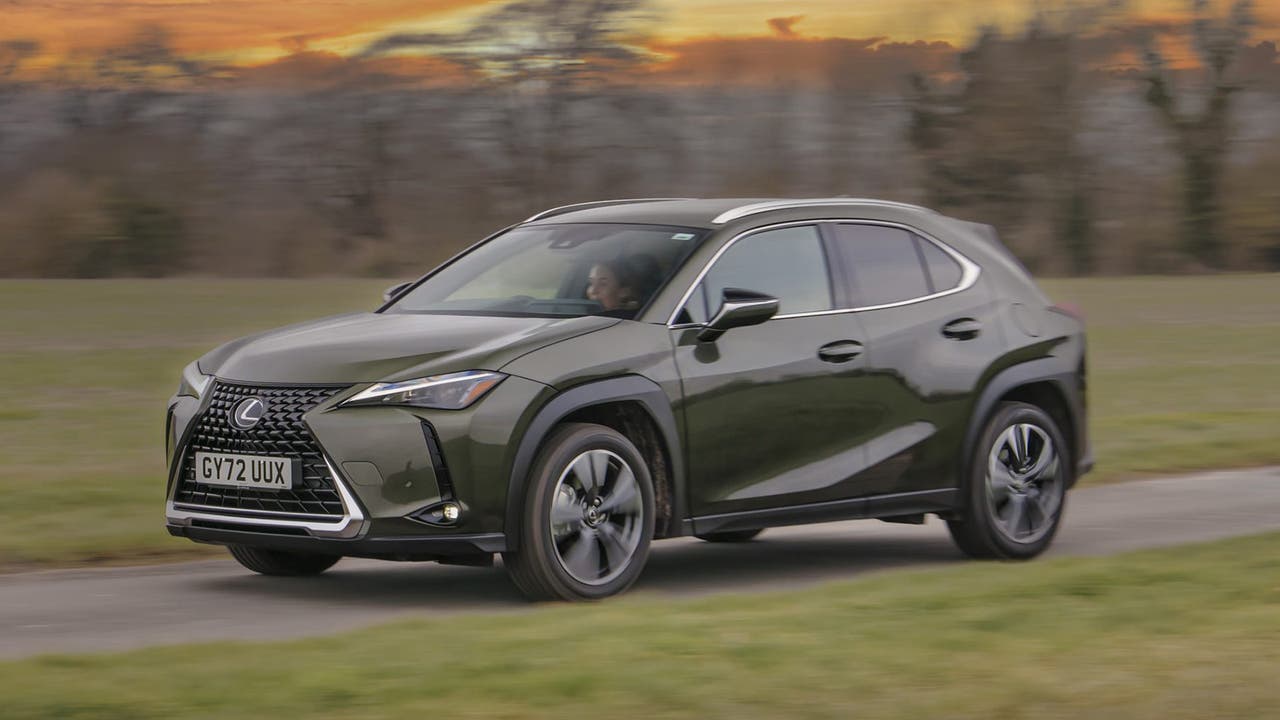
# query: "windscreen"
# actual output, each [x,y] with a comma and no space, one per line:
[557,271]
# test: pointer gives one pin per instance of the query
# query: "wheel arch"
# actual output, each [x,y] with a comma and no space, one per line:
[1045,384]
[634,406]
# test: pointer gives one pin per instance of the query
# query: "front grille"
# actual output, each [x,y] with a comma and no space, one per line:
[280,433]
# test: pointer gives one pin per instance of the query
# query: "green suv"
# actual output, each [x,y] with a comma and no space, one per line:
[606,374]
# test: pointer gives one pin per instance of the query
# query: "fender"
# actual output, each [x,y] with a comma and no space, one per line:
[626,388]
[1047,369]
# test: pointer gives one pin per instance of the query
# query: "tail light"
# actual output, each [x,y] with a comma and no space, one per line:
[1071,310]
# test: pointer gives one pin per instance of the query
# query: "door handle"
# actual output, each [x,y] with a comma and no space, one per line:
[840,351]
[962,329]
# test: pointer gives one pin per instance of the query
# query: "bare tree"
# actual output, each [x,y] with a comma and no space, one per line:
[539,59]
[135,135]
[1202,137]
[986,140]
[1008,136]
[13,53]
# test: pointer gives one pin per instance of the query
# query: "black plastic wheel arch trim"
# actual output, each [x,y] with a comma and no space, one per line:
[1049,370]
[628,388]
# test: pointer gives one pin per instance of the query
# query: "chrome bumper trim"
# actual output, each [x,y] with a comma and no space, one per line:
[352,524]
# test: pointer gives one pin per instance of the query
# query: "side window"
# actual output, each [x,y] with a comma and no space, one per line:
[884,263]
[943,269]
[787,263]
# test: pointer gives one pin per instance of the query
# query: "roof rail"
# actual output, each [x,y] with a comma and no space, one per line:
[759,207]
[598,203]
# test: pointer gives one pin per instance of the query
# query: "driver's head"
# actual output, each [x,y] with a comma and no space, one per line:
[605,286]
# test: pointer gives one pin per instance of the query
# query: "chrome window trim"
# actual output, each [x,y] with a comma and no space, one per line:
[351,525]
[768,205]
[552,212]
[671,321]
[968,276]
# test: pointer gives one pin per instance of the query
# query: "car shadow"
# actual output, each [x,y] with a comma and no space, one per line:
[773,562]
[681,568]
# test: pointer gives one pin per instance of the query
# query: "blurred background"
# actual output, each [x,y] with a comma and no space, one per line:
[256,138]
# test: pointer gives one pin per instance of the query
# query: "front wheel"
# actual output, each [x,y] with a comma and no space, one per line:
[1017,485]
[588,517]
[280,562]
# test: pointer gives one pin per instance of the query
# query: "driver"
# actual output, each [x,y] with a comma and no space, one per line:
[623,283]
[607,286]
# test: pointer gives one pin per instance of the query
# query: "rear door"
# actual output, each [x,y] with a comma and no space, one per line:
[769,421]
[930,332]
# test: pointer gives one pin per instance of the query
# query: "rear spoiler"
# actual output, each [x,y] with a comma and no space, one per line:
[986,232]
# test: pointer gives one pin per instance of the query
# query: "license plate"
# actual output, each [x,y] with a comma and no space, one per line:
[249,471]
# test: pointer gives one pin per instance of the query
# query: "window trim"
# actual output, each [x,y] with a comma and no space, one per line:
[969,270]
[924,264]
[968,276]
[832,278]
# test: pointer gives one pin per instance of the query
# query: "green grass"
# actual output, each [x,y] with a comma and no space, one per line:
[1182,370]
[1184,633]
[84,375]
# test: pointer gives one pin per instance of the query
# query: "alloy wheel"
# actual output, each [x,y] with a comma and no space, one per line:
[1024,483]
[596,517]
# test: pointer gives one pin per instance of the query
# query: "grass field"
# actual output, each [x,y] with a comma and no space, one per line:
[1183,376]
[1183,633]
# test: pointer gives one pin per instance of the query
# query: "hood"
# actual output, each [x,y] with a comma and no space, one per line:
[373,347]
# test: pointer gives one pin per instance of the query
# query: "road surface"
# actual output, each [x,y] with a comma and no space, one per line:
[121,608]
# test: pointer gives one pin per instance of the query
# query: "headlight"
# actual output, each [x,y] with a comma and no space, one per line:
[194,382]
[443,392]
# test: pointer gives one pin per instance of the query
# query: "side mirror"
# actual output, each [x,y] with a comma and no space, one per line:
[395,291]
[738,308]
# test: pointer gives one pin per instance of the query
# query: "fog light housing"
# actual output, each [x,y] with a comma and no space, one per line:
[441,514]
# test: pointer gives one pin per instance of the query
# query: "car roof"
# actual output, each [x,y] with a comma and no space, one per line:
[696,213]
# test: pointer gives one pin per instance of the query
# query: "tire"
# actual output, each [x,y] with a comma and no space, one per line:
[1015,491]
[588,517]
[731,536]
[281,563]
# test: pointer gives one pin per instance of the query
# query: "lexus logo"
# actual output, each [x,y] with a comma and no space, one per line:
[248,412]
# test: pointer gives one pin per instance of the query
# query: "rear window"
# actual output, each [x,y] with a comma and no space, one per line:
[944,271]
[884,263]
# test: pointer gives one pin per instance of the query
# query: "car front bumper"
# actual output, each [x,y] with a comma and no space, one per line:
[372,545]
[390,466]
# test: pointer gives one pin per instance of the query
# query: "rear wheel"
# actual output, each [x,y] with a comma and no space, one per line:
[588,517]
[1017,485]
[280,562]
[730,536]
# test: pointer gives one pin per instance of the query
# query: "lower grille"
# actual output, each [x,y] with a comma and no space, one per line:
[280,433]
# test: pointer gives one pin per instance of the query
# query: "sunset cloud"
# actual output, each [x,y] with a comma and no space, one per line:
[699,39]
[213,26]
[785,26]
[874,63]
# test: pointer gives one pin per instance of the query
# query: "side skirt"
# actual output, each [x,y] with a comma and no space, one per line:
[912,503]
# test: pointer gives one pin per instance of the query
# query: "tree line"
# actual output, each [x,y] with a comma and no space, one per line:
[139,161]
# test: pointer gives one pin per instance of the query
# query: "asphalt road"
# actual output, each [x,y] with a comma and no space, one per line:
[122,608]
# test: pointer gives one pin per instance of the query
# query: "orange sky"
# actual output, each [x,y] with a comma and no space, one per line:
[255,31]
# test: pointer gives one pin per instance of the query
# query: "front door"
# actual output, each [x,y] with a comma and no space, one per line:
[773,414]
